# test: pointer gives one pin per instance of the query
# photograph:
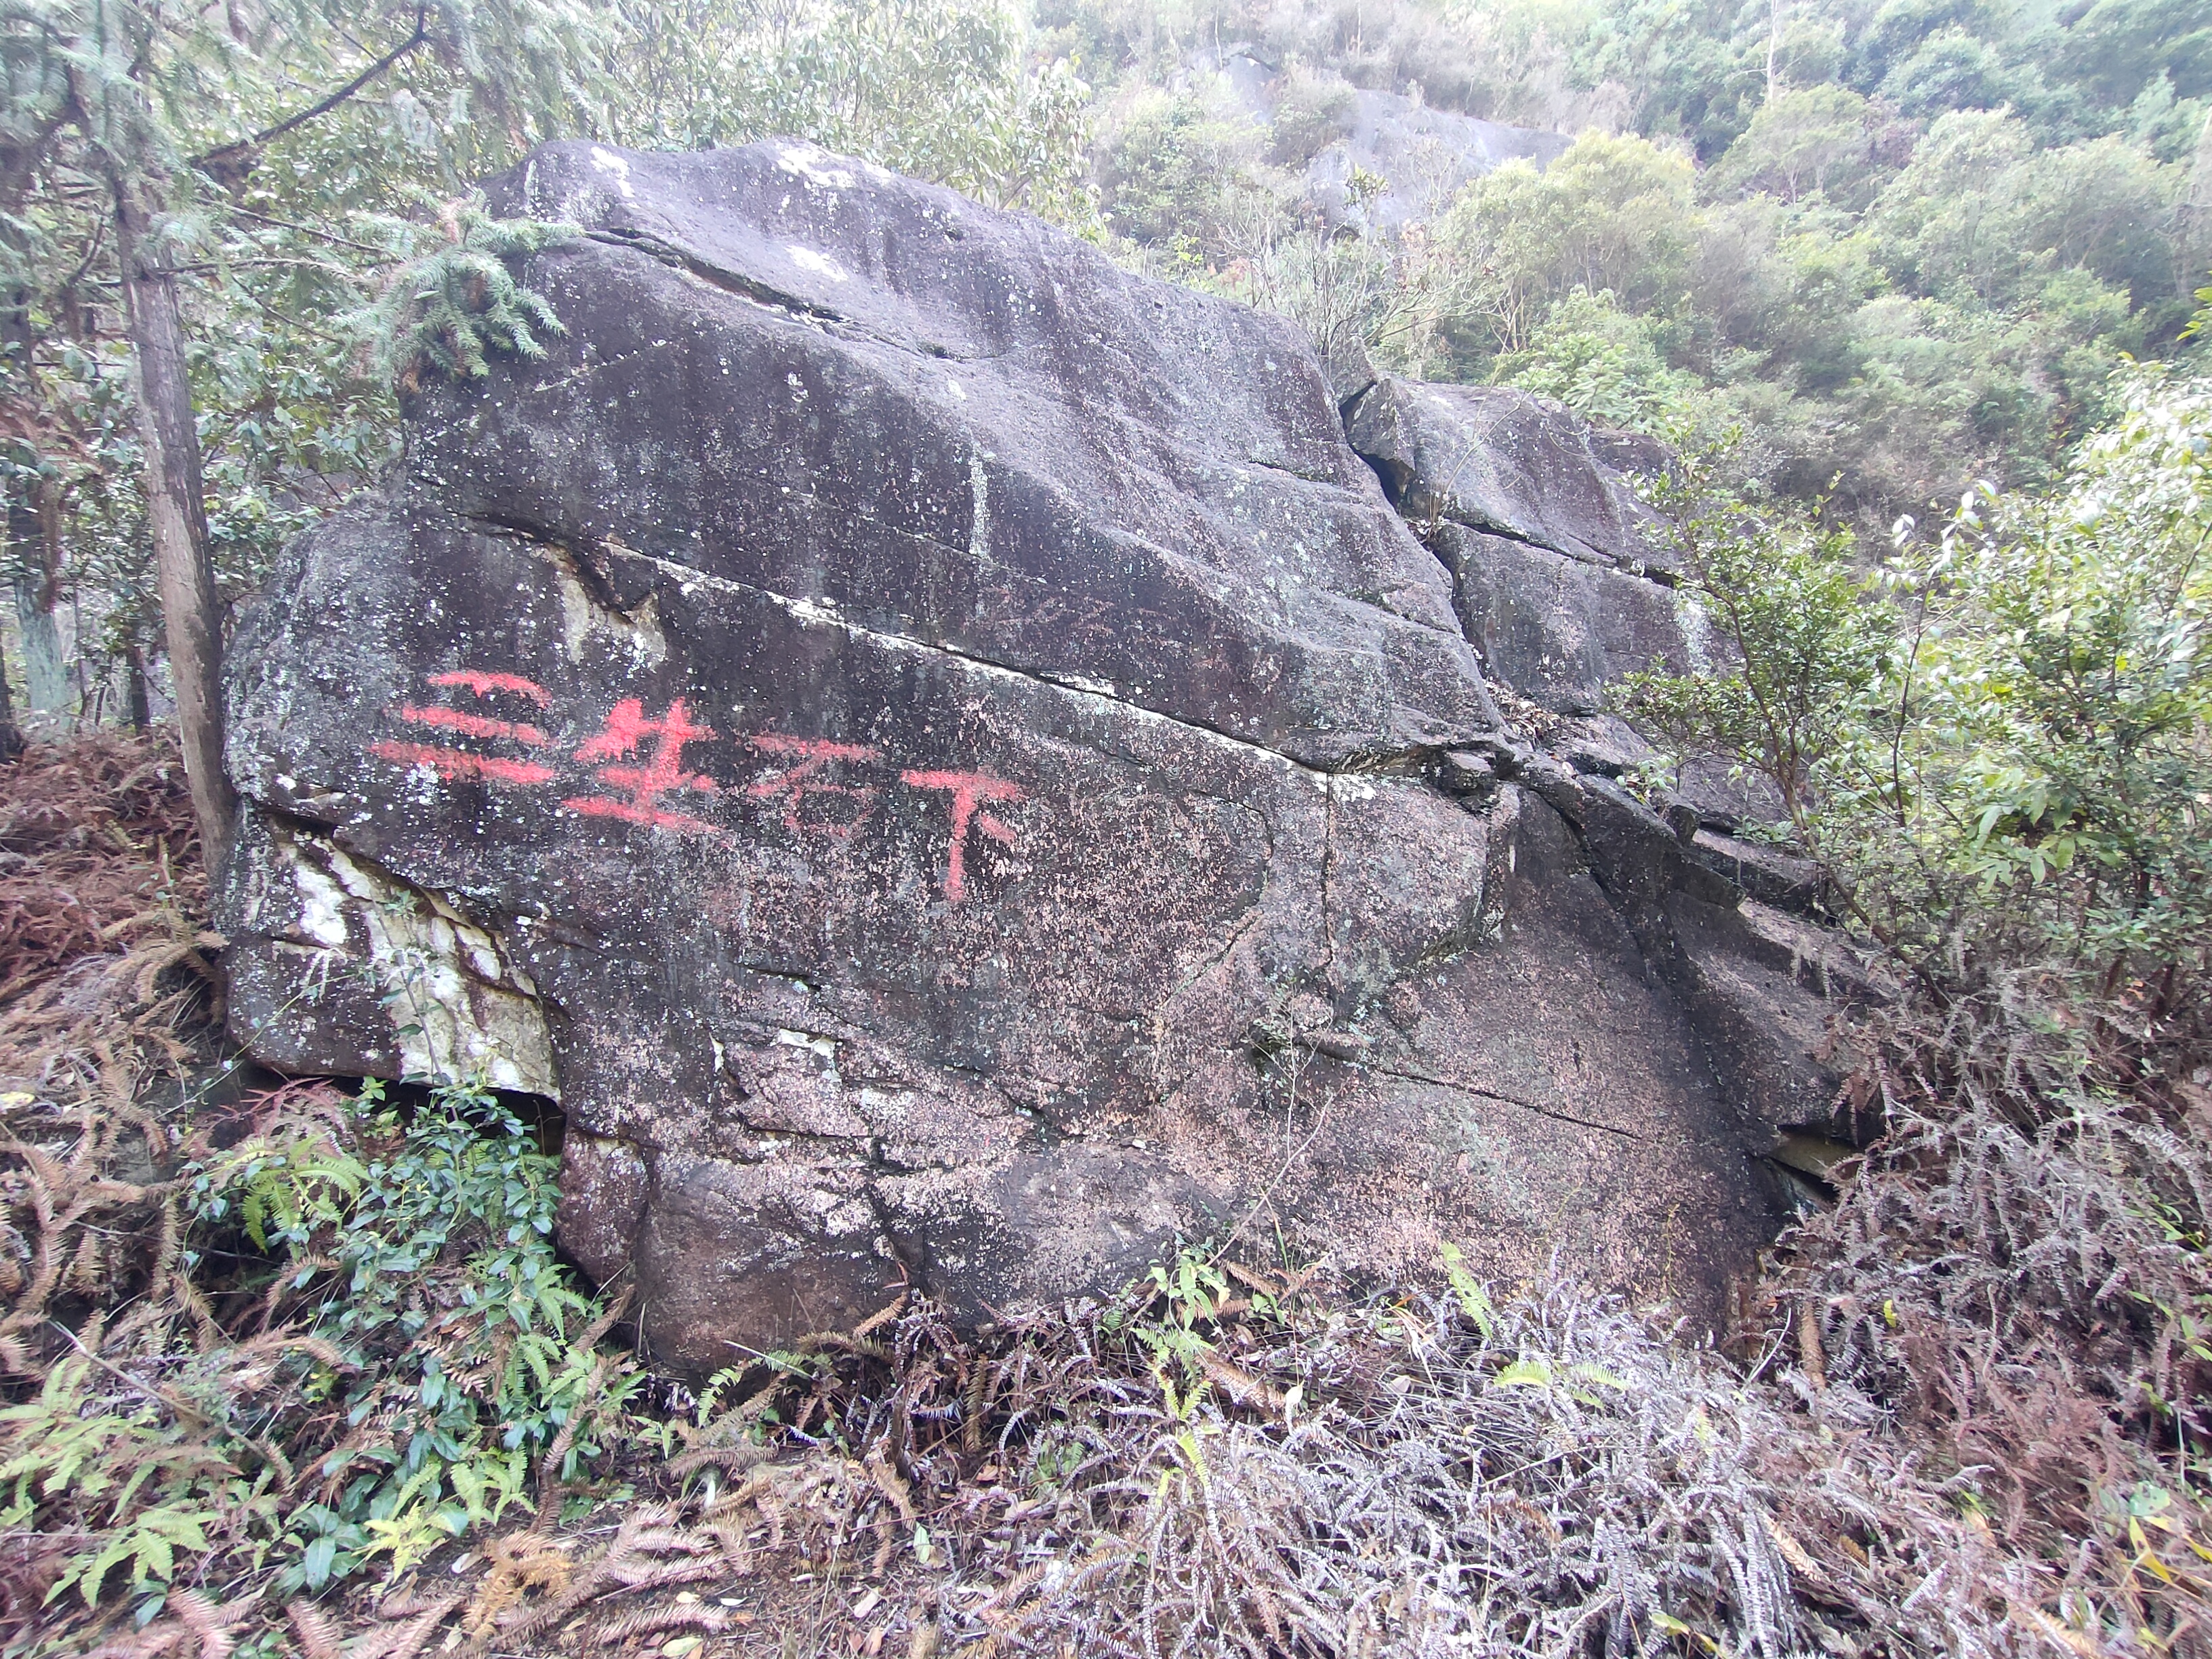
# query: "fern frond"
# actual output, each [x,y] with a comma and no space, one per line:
[318,1638]
[205,1620]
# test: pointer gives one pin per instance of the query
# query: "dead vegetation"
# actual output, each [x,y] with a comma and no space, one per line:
[1965,1415]
[2014,1285]
[97,852]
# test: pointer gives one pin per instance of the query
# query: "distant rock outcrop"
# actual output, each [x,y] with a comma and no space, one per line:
[1415,157]
[942,758]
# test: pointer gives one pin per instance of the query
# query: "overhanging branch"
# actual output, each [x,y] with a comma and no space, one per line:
[237,157]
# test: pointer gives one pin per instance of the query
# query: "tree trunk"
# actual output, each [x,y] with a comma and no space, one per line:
[11,736]
[185,574]
[45,676]
[19,524]
[34,530]
[134,680]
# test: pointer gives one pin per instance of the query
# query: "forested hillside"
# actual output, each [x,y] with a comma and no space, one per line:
[1876,255]
[1903,246]
[1899,247]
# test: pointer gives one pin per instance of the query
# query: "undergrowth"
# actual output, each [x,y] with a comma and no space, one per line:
[97,852]
[274,1346]
[1998,741]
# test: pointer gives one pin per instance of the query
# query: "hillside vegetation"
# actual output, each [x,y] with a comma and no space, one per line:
[1903,246]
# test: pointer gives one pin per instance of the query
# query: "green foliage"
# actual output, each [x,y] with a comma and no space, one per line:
[419,1248]
[1951,70]
[1180,166]
[1469,1291]
[1904,246]
[1782,597]
[306,228]
[1806,141]
[131,1477]
[2059,711]
[412,1361]
[1610,214]
[445,309]
[1689,73]
[1979,207]
[1344,290]
[1194,1295]
[2005,743]
[1603,363]
[281,199]
[942,90]
[1193,1289]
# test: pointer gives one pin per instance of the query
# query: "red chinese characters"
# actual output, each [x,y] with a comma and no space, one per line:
[823,786]
[804,780]
[968,790]
[450,763]
[625,731]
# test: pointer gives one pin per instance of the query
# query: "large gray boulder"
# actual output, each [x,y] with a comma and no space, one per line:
[939,757]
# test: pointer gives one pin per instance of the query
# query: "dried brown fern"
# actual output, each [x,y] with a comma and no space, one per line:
[520,1563]
[408,1632]
[102,844]
[318,1638]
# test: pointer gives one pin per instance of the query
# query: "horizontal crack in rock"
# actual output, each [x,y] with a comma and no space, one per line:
[1491,1094]
[759,292]
[816,610]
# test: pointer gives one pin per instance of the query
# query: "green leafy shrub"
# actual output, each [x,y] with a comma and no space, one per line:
[1804,652]
[420,1248]
[1184,165]
[2000,738]
[950,90]
[447,308]
[354,1343]
[2058,723]
[1603,364]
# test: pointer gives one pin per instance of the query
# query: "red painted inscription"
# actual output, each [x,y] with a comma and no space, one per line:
[473,726]
[802,780]
[450,763]
[968,790]
[638,759]
[469,679]
[626,729]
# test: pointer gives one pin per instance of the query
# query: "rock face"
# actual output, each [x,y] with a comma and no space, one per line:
[1563,581]
[1558,577]
[943,760]
[1561,577]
